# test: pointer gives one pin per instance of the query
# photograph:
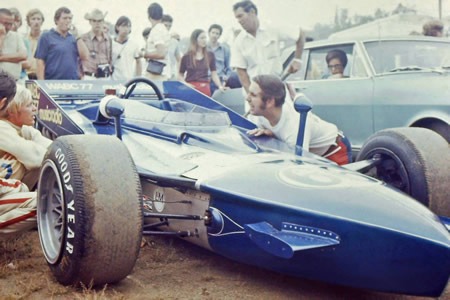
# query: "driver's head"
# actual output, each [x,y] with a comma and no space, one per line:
[265,94]
[271,87]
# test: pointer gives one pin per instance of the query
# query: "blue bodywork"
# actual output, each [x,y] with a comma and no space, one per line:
[299,215]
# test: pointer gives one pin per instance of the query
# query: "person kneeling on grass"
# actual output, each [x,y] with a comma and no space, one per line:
[276,118]
[22,149]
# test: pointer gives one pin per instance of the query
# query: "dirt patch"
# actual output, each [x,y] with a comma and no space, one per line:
[167,268]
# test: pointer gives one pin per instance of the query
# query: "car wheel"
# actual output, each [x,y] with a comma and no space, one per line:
[89,210]
[442,129]
[415,161]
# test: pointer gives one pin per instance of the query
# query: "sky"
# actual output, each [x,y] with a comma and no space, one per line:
[288,15]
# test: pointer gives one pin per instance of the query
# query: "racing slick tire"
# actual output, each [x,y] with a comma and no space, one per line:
[89,210]
[415,161]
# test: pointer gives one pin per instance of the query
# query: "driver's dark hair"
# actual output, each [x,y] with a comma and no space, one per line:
[246,5]
[7,88]
[271,86]
[60,11]
[339,54]
[155,11]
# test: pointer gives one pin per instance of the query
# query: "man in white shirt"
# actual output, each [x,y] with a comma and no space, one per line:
[12,47]
[256,50]
[126,55]
[278,119]
[157,43]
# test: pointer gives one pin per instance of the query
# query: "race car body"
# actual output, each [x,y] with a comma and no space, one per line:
[203,179]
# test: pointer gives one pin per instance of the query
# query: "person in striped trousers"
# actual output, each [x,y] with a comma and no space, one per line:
[22,149]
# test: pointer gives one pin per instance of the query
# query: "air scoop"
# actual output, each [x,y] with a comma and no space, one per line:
[111,107]
[290,239]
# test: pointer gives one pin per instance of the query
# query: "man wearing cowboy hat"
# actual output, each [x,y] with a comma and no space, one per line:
[99,63]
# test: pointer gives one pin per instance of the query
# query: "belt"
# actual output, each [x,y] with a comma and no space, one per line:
[335,147]
[32,76]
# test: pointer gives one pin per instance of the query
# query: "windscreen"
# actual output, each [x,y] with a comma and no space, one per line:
[172,112]
[388,56]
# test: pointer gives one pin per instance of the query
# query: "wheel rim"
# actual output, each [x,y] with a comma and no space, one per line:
[51,212]
[391,170]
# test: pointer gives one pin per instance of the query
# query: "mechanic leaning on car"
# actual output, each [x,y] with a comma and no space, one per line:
[266,98]
[22,149]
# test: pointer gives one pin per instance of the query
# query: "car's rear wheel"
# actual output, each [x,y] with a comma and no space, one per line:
[414,160]
[89,210]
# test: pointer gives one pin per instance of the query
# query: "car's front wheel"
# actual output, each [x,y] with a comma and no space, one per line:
[89,210]
[415,161]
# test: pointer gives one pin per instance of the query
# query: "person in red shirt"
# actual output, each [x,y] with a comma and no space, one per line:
[198,64]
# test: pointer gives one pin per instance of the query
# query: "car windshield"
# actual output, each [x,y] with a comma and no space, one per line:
[175,113]
[393,56]
[186,123]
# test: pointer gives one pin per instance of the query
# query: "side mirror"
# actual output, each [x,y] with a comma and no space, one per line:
[302,105]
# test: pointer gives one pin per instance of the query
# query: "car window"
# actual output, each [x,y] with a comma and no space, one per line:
[358,69]
[388,56]
[317,67]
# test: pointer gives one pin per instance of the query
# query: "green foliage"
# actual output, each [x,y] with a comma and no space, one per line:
[343,21]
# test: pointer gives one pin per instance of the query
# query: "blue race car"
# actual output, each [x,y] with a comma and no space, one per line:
[160,158]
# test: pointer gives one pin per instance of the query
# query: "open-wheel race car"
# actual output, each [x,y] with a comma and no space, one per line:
[161,158]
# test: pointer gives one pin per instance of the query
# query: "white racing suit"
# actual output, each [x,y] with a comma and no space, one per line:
[21,152]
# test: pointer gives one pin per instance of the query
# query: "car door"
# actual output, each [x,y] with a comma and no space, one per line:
[346,102]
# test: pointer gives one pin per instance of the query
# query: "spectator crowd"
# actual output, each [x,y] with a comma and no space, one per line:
[107,51]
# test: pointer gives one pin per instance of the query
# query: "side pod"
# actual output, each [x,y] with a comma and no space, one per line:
[290,239]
